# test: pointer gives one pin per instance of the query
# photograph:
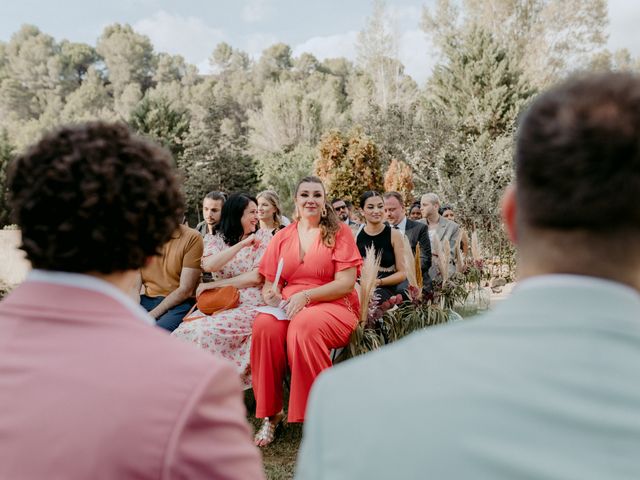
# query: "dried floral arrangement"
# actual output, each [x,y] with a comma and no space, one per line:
[385,322]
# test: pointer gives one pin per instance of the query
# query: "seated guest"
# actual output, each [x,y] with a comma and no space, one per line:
[387,243]
[445,231]
[321,263]
[545,386]
[343,210]
[269,212]
[416,232]
[414,212]
[170,279]
[232,254]
[89,388]
[211,209]
[447,212]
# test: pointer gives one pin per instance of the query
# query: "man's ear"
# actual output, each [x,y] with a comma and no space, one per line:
[509,210]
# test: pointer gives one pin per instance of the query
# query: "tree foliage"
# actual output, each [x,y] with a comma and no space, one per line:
[399,178]
[266,121]
[6,155]
[548,37]
[163,123]
[349,165]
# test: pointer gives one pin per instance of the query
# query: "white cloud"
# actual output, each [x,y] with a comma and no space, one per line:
[186,36]
[416,55]
[331,46]
[255,11]
[414,51]
[624,18]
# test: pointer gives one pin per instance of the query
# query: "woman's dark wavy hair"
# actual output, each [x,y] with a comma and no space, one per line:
[94,198]
[230,226]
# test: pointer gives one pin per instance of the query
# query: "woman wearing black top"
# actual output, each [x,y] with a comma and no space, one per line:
[387,242]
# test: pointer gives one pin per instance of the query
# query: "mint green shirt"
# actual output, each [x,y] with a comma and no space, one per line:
[546,386]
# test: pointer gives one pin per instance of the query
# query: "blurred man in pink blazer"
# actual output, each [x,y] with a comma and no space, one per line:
[89,388]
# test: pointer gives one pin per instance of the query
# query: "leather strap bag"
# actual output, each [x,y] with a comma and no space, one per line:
[213,301]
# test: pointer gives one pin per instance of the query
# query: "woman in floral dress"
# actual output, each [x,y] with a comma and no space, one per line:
[233,254]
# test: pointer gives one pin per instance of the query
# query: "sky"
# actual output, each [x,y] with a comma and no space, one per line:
[192,28]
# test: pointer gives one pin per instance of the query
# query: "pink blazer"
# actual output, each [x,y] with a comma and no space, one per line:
[89,391]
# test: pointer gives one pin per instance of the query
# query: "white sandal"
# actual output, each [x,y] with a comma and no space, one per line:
[267,431]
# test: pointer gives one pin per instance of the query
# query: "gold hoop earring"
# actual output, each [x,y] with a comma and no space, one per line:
[323,214]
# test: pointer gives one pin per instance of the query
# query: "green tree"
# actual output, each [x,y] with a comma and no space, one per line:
[78,58]
[479,87]
[274,64]
[472,102]
[281,172]
[128,57]
[35,74]
[215,154]
[159,120]
[548,37]
[89,101]
[6,155]
[287,118]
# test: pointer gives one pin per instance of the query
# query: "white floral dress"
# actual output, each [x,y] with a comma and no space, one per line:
[228,333]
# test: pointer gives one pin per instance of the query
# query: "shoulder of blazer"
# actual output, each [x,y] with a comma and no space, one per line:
[414,225]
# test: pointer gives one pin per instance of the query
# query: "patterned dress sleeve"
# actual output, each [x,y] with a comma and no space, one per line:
[345,252]
[212,244]
[270,257]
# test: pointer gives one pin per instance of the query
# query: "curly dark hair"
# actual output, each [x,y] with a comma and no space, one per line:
[230,226]
[94,198]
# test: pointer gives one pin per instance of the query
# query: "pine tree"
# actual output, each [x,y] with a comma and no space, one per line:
[472,102]
[157,119]
[215,155]
[479,88]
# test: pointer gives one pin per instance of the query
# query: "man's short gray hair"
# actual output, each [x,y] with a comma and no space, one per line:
[431,198]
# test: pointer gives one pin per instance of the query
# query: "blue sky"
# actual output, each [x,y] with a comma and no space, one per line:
[192,28]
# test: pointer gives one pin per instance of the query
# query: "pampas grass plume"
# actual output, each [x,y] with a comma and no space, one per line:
[409,262]
[418,267]
[368,277]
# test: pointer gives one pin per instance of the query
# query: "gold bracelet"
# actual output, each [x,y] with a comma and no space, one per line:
[307,296]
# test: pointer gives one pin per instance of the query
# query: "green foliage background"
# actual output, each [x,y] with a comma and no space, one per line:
[265,122]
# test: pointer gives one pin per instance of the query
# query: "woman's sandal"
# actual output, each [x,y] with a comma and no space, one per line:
[267,432]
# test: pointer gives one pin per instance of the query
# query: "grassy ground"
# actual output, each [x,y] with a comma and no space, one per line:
[279,458]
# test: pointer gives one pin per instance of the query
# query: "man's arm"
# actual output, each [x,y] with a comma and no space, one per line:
[189,278]
[212,438]
[425,248]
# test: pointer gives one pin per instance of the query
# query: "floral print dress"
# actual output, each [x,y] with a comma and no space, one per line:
[228,333]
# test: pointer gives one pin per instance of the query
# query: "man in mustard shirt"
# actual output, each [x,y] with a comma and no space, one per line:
[170,279]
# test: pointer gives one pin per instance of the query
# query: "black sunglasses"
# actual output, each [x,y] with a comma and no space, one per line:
[342,207]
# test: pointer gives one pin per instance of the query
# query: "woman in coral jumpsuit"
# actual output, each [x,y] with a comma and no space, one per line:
[321,264]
